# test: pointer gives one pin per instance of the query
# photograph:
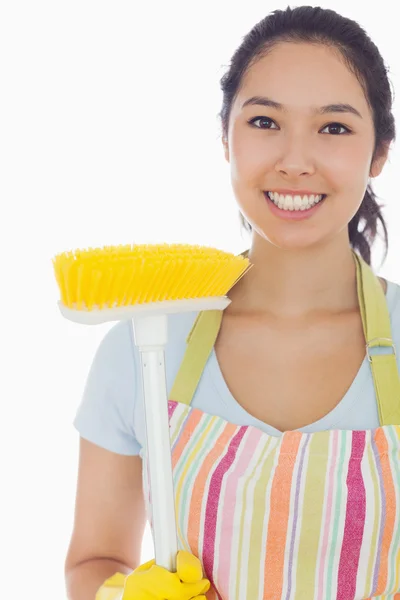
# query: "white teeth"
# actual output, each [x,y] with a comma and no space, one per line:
[297,202]
[288,202]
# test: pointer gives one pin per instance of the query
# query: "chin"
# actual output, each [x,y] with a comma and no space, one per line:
[291,240]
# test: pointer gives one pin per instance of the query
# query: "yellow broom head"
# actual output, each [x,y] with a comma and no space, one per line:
[126,275]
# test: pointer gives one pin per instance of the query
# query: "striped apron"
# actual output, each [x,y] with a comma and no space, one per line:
[300,516]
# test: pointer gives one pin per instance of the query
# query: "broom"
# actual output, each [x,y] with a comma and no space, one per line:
[145,283]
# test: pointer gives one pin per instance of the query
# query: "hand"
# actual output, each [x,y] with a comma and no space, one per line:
[151,582]
[112,588]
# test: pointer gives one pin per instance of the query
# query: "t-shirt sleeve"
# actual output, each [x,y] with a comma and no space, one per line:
[105,415]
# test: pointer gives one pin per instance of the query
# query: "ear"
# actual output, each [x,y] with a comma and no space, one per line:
[226,148]
[380,161]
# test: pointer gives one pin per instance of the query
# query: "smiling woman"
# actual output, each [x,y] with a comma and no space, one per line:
[302,66]
[291,142]
[284,409]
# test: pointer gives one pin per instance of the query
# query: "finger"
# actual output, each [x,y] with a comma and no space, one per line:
[168,585]
[188,567]
[193,590]
[164,584]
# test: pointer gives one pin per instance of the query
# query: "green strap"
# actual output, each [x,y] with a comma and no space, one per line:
[377,330]
[200,343]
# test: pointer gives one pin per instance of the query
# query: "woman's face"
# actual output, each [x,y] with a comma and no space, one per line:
[297,148]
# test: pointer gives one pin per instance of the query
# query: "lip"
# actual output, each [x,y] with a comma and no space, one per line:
[295,215]
[296,192]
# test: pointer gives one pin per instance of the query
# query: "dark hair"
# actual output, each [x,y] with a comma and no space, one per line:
[324,26]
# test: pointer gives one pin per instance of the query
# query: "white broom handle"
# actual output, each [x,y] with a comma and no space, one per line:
[150,334]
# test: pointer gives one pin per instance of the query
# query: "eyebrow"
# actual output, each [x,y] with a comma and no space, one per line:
[322,110]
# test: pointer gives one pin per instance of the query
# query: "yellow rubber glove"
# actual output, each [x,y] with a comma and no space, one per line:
[112,588]
[151,582]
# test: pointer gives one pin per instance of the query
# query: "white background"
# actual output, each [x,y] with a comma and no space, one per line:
[109,134]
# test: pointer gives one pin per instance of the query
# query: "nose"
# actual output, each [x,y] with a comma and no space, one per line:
[295,158]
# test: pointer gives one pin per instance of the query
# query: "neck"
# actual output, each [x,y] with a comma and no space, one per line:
[296,283]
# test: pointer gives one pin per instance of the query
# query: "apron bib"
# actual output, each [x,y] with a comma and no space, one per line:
[301,516]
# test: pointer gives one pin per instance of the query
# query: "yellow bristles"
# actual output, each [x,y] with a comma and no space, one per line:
[115,276]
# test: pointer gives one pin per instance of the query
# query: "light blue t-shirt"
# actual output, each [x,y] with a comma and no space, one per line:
[111,413]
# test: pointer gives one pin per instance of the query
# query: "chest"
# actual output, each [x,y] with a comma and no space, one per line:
[286,374]
[306,512]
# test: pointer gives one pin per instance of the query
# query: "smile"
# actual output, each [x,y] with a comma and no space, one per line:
[294,203]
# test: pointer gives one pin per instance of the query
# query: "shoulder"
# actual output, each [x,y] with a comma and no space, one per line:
[118,351]
[119,340]
[118,357]
[179,327]
[111,410]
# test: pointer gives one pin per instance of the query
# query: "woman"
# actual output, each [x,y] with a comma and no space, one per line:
[296,488]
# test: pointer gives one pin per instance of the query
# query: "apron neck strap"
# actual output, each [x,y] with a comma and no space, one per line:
[377,332]
[380,349]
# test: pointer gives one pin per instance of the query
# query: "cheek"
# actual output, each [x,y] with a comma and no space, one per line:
[349,174]
[251,158]
[348,159]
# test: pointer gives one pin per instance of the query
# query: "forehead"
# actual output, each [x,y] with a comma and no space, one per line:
[302,76]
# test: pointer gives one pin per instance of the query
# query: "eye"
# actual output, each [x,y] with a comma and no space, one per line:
[263,119]
[333,127]
[337,126]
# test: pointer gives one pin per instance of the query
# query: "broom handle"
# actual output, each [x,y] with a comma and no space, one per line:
[150,334]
